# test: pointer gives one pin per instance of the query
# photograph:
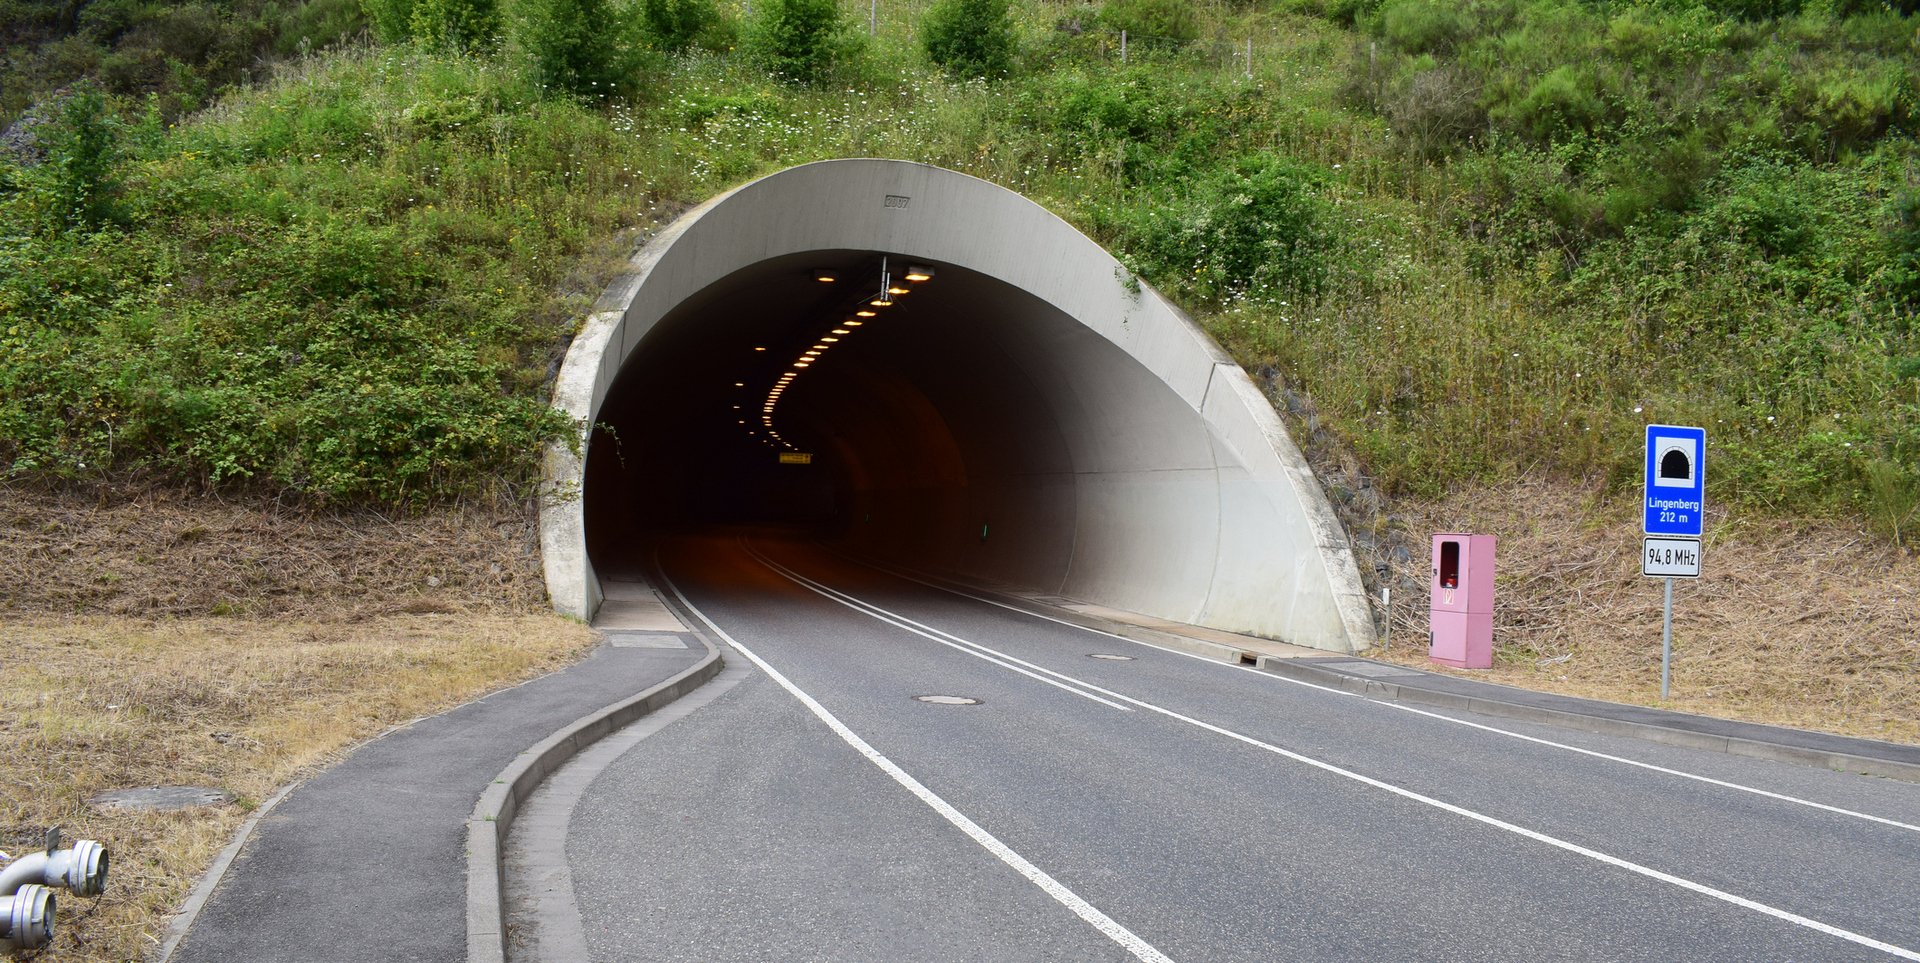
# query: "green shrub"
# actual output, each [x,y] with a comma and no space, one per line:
[1255,229]
[801,41]
[582,48]
[80,157]
[969,38]
[1166,21]
[676,25]
[455,24]
[1422,26]
[1900,232]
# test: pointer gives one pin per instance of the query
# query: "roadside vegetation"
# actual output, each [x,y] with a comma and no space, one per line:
[1484,239]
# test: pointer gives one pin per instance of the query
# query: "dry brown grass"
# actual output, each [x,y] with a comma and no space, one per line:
[360,640]
[1812,624]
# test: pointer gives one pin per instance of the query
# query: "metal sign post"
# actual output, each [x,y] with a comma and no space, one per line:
[1675,505]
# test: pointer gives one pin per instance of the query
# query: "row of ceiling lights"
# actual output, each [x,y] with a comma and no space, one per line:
[865,309]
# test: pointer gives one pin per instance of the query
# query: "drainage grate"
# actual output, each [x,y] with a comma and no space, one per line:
[946,700]
[1110,657]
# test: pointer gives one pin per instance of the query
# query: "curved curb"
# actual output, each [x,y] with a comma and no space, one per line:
[493,815]
[1732,745]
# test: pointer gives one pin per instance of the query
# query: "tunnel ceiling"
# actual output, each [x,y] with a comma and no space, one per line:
[1027,416]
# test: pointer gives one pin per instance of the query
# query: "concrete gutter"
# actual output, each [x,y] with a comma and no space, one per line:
[1364,677]
[493,815]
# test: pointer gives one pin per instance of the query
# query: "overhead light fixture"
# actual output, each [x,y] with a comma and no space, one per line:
[830,340]
[841,331]
[739,384]
[826,275]
[800,364]
[813,354]
[758,348]
[896,290]
[851,323]
[919,272]
[881,300]
[863,312]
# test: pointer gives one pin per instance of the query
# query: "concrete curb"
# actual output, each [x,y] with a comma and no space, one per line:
[182,921]
[1733,745]
[493,815]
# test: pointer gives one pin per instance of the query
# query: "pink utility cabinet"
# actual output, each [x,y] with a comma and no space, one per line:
[1462,633]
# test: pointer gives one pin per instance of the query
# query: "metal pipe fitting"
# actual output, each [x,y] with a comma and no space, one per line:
[81,870]
[26,918]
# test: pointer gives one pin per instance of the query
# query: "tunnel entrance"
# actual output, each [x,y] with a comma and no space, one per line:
[1022,411]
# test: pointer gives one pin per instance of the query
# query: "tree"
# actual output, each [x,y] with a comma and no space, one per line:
[970,38]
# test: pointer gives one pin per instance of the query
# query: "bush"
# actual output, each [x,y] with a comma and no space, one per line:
[1421,26]
[80,161]
[801,41]
[970,38]
[1254,229]
[676,25]
[1168,21]
[1901,234]
[583,48]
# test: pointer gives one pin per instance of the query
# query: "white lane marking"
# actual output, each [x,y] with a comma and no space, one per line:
[1882,820]
[1495,822]
[899,622]
[1739,787]
[910,577]
[1107,925]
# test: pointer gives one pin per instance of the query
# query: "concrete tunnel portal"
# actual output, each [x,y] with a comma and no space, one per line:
[1024,413]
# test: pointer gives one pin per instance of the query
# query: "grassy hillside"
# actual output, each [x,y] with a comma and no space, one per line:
[1475,240]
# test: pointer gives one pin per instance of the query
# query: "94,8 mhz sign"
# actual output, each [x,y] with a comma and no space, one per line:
[1670,557]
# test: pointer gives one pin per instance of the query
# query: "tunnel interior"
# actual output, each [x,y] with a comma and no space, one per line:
[967,426]
[1026,415]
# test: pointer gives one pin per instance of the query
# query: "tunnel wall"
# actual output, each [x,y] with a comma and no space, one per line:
[1173,489]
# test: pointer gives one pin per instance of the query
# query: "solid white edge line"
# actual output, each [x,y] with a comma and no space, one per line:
[901,622]
[1738,787]
[1497,823]
[1127,939]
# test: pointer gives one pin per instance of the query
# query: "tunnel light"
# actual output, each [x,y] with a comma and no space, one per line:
[830,340]
[863,312]
[819,347]
[800,364]
[896,290]
[841,331]
[826,275]
[852,323]
[739,384]
[881,301]
[813,354]
[919,272]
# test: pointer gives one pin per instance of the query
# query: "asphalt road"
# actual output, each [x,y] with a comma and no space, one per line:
[1165,807]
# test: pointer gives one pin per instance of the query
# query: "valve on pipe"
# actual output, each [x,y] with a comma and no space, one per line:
[81,870]
[26,918]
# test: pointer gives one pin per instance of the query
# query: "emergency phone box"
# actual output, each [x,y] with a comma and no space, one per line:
[1462,606]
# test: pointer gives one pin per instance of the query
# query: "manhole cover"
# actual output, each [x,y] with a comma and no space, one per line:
[644,640]
[1111,657]
[940,700]
[164,798]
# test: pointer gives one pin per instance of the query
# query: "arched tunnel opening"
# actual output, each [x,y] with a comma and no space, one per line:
[1022,413]
[951,426]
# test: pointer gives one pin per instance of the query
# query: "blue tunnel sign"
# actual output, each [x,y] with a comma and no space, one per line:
[1676,497]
